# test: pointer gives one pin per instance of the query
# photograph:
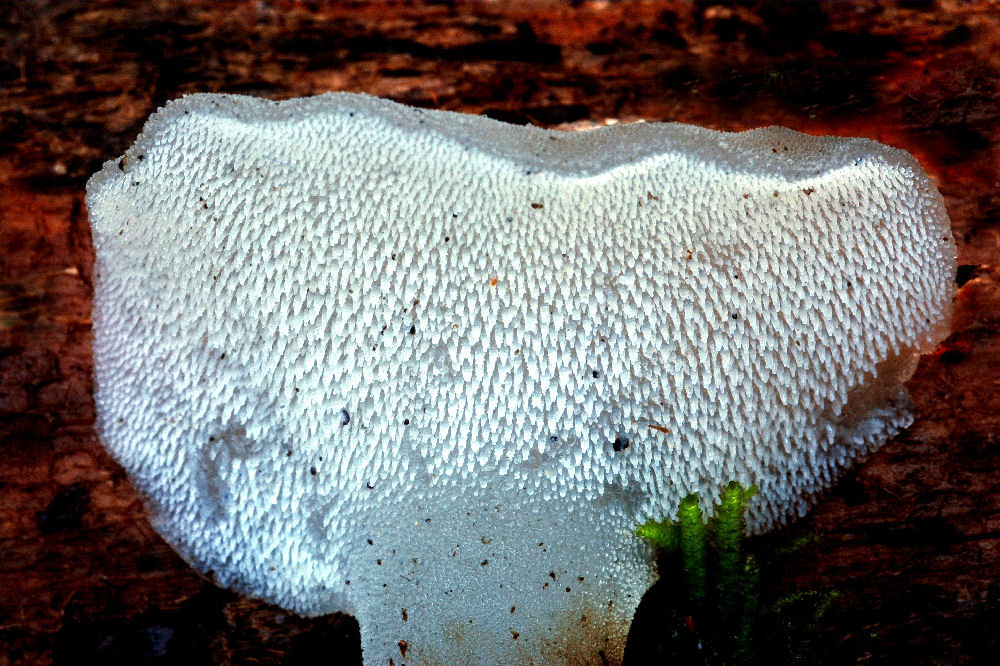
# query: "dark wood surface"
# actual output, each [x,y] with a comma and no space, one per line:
[911,538]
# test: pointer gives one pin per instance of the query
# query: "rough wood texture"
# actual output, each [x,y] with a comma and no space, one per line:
[911,538]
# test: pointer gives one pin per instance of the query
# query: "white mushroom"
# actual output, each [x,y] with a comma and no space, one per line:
[432,369]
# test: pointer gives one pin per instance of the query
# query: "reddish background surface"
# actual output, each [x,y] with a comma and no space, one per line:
[911,538]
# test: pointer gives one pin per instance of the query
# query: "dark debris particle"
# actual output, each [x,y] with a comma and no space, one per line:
[596,374]
[405,616]
[65,511]
[554,439]
[514,634]
[413,330]
[484,563]
[620,444]
[312,470]
[406,421]
[536,205]
[402,648]
[345,417]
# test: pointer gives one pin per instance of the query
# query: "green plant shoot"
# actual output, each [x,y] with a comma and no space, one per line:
[693,544]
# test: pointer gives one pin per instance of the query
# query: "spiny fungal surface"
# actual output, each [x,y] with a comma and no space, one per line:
[432,369]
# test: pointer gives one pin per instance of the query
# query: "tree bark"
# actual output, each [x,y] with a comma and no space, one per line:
[911,538]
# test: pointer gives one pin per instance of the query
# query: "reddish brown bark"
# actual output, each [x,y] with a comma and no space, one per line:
[911,538]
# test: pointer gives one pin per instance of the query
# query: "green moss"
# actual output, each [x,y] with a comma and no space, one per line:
[661,533]
[693,542]
[727,530]
[716,614]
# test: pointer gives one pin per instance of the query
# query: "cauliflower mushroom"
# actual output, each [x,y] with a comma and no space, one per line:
[432,369]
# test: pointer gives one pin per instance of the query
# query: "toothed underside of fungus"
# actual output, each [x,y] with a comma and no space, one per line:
[431,369]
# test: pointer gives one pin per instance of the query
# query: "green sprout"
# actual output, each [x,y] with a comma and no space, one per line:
[717,606]
[693,541]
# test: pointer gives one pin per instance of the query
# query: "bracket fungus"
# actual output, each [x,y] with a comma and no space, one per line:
[432,369]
